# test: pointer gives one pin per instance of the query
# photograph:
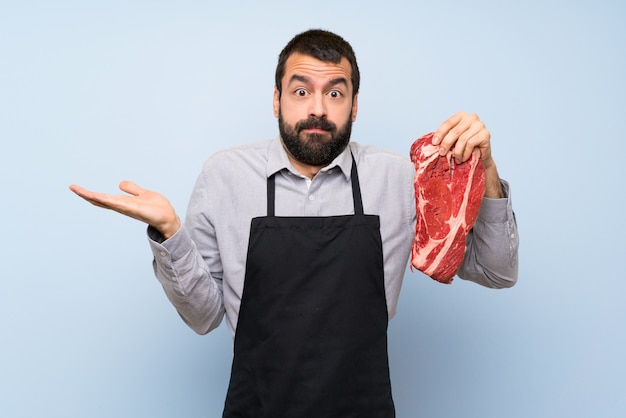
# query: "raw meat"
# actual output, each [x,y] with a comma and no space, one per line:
[448,197]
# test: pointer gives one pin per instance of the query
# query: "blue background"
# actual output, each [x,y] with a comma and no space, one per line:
[94,92]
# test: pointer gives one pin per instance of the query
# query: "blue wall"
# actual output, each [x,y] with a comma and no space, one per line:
[97,92]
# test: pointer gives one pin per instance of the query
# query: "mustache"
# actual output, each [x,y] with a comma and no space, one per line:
[315,123]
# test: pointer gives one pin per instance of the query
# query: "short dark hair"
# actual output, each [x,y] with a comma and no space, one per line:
[323,45]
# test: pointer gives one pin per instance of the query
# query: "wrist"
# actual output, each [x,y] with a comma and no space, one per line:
[170,228]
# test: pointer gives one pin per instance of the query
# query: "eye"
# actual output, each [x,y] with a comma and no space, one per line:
[300,92]
[335,94]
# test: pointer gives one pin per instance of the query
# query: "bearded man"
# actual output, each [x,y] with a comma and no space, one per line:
[302,243]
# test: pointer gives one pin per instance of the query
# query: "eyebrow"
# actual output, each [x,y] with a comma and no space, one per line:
[307,80]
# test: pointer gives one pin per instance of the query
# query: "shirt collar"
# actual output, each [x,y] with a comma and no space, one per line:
[278,160]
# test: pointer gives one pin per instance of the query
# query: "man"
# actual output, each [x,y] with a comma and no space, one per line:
[302,242]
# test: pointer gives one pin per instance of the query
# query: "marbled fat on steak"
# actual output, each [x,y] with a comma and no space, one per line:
[448,198]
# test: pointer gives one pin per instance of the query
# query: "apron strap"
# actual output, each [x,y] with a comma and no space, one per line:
[356,191]
[271,194]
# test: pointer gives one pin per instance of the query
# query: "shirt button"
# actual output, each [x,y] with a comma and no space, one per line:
[163,253]
[174,279]
[311,197]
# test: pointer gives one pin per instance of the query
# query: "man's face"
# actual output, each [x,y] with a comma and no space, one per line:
[316,110]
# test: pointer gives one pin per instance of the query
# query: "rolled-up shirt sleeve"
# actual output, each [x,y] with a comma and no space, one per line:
[491,257]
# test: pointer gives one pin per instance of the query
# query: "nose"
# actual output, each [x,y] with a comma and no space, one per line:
[317,106]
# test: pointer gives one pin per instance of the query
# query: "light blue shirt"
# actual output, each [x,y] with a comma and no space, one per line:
[202,266]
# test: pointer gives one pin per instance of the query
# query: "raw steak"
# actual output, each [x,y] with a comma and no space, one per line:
[448,197]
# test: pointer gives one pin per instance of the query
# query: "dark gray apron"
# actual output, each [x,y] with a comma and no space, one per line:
[311,337]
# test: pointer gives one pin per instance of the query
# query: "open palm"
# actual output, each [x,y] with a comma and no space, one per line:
[141,204]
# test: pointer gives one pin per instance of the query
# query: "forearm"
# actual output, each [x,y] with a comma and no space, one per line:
[493,186]
[491,257]
[187,282]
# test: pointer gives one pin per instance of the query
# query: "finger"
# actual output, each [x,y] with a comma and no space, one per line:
[468,140]
[82,192]
[480,143]
[131,188]
[445,127]
[450,130]
[454,140]
[472,145]
[449,123]
[76,188]
[102,200]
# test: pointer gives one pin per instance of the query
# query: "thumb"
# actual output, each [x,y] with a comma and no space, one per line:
[131,188]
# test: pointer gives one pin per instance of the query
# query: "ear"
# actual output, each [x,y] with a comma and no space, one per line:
[276,102]
[355,106]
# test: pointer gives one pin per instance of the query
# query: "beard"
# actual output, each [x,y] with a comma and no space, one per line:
[315,149]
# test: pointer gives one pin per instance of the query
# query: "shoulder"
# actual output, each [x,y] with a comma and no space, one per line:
[230,177]
[370,157]
[240,157]
[235,168]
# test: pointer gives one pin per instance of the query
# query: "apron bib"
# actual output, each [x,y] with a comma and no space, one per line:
[311,338]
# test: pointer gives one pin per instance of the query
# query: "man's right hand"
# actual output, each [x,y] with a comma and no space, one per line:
[144,205]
